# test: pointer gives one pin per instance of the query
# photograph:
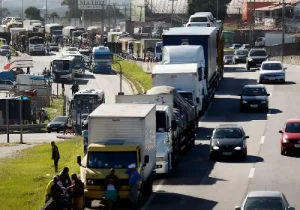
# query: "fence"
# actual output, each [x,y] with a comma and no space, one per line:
[288,49]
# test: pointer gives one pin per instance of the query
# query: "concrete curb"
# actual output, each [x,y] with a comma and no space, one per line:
[65,137]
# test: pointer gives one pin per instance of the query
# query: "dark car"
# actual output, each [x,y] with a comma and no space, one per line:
[254,97]
[256,57]
[228,59]
[259,200]
[240,56]
[228,140]
[58,124]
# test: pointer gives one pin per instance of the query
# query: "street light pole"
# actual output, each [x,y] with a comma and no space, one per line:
[283,30]
[22,10]
[217,9]
[46,18]
[121,77]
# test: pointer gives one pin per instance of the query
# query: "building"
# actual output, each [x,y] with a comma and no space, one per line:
[248,7]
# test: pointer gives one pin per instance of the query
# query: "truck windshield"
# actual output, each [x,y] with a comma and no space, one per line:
[161,124]
[102,56]
[57,32]
[36,41]
[158,49]
[77,33]
[111,159]
[61,65]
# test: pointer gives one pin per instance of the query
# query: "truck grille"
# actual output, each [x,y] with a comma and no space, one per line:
[100,182]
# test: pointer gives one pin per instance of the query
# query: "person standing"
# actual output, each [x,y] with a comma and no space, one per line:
[134,179]
[55,156]
[28,70]
[69,126]
[85,139]
[77,192]
[111,187]
[66,177]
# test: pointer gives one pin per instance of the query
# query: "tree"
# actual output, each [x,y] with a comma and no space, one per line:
[4,12]
[33,13]
[73,12]
[209,6]
[53,15]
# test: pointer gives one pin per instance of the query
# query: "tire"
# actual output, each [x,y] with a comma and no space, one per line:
[49,131]
[244,155]
[259,82]
[248,67]
[87,203]
[58,131]
[282,152]
[283,82]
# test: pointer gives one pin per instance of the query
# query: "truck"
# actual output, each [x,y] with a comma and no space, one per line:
[14,33]
[68,33]
[200,36]
[148,45]
[13,24]
[274,38]
[180,117]
[53,32]
[32,25]
[31,42]
[158,51]
[119,135]
[101,60]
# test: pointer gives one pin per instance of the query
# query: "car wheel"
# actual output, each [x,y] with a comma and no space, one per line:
[283,82]
[282,152]
[260,82]
[58,131]
[266,109]
[244,154]
[49,131]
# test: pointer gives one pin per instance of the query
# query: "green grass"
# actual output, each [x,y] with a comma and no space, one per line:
[135,74]
[56,108]
[23,177]
[9,144]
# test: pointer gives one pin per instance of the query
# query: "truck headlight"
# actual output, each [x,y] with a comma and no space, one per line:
[245,102]
[216,147]
[90,182]
[161,159]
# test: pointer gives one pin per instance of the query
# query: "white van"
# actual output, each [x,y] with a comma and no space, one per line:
[204,19]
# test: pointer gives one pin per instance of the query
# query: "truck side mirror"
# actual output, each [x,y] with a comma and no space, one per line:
[173,125]
[198,100]
[79,160]
[146,159]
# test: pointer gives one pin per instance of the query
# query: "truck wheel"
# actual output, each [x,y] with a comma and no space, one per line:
[87,203]
[148,186]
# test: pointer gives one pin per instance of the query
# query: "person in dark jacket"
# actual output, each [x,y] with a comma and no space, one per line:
[55,155]
[77,192]
[66,177]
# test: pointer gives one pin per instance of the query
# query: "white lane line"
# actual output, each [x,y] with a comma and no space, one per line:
[251,174]
[262,140]
[157,188]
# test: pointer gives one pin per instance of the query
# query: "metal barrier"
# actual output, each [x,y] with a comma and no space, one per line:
[32,127]
[288,49]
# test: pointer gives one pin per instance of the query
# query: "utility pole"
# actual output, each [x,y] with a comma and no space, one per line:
[125,12]
[141,12]
[102,24]
[172,12]
[130,10]
[283,30]
[115,18]
[46,19]
[253,24]
[217,9]
[22,14]
[108,9]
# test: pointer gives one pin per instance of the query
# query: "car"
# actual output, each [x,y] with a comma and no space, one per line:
[204,19]
[228,140]
[4,50]
[54,47]
[271,71]
[228,59]
[235,46]
[254,97]
[245,47]
[6,85]
[265,200]
[240,56]
[72,49]
[256,57]
[58,124]
[290,136]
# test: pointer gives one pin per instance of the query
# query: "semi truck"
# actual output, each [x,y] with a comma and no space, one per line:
[31,42]
[53,32]
[200,36]
[119,135]
[68,33]
[32,25]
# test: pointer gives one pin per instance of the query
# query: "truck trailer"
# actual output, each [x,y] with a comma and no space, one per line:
[119,135]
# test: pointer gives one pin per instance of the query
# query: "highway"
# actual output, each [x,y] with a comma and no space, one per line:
[201,184]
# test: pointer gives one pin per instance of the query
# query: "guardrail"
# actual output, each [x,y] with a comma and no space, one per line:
[31,127]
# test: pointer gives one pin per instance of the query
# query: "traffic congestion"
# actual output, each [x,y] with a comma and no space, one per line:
[215,131]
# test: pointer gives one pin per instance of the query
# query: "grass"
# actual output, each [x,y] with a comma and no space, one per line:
[24,177]
[135,74]
[56,108]
[9,144]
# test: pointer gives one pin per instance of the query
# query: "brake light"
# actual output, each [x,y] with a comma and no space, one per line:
[208,24]
[188,25]
[153,76]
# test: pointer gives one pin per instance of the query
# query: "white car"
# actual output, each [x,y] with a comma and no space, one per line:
[271,71]
[204,19]
[72,49]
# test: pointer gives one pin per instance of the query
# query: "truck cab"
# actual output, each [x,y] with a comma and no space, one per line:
[62,69]
[36,45]
[101,60]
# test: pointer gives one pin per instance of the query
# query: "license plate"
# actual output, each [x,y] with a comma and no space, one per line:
[227,153]
[297,145]
[253,105]
[271,78]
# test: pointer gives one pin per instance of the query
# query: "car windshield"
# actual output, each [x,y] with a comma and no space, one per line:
[241,52]
[258,53]
[254,92]
[264,203]
[198,19]
[228,133]
[72,49]
[271,66]
[60,119]
[6,47]
[111,159]
[293,127]
[237,45]
[228,57]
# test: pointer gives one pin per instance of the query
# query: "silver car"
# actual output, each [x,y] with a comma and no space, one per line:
[265,200]
[271,71]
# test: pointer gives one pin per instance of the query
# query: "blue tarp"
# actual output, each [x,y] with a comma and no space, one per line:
[7,75]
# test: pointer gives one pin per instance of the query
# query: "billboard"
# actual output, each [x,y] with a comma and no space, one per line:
[91,4]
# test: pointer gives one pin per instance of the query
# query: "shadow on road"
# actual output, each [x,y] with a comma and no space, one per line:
[88,76]
[235,69]
[250,159]
[275,111]
[174,201]
[234,86]
[286,83]
[203,132]
[81,81]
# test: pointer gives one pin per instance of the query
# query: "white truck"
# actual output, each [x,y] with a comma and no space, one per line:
[274,38]
[164,114]
[188,63]
[119,135]
[32,25]
[15,31]
[183,77]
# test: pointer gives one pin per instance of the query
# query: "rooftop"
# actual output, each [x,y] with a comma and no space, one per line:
[190,31]
[254,86]
[189,68]
[265,194]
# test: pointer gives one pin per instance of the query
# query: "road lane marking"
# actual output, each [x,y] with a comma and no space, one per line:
[270,95]
[262,140]
[251,174]
[157,188]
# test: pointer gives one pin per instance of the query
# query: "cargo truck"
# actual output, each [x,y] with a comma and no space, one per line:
[53,32]
[184,116]
[148,45]
[31,42]
[119,135]
[30,25]
[205,37]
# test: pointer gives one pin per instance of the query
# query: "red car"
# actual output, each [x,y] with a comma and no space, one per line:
[290,139]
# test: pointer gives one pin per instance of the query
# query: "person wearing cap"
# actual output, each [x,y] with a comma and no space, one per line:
[111,186]
[134,178]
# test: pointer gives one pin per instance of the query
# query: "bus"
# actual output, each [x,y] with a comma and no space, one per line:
[79,63]
[83,103]
[62,68]
[101,60]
